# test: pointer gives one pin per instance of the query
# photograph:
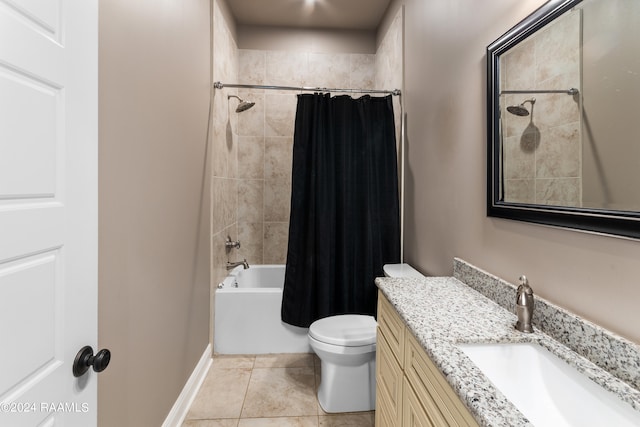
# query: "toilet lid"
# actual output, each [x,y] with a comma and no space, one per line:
[348,330]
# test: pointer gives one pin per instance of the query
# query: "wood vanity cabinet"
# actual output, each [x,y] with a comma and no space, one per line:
[410,390]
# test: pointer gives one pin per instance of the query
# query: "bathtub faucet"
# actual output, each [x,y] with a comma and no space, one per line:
[232,265]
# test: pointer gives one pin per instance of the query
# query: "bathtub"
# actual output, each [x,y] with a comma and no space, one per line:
[247,314]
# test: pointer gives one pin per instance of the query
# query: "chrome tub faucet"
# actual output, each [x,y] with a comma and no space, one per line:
[524,306]
[232,265]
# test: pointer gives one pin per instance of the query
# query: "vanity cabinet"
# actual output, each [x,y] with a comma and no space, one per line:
[410,390]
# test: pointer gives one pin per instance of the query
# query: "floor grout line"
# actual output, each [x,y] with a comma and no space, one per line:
[293,418]
[246,391]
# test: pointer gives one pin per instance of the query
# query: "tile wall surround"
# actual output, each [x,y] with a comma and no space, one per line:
[543,151]
[265,132]
[612,353]
[389,69]
[224,143]
[265,138]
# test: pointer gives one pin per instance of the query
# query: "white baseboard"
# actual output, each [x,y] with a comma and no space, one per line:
[183,403]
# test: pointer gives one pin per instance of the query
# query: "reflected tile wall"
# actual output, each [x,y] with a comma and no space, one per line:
[543,157]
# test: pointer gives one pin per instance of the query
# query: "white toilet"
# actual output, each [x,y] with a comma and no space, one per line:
[346,346]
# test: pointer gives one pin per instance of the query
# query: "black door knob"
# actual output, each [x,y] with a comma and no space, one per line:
[85,359]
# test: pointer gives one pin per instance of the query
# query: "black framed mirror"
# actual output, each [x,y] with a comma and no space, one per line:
[563,103]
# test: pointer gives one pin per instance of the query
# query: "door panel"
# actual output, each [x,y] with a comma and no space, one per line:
[48,210]
[29,157]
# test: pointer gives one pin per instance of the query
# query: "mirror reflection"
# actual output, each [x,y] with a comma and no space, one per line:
[569,109]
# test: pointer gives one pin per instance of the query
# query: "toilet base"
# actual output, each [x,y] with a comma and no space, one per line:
[348,388]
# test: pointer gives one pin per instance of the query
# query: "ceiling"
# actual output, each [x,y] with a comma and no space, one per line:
[334,14]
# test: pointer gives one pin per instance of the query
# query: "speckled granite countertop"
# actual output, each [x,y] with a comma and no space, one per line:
[442,312]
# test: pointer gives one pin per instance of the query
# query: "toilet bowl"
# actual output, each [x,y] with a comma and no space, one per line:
[346,346]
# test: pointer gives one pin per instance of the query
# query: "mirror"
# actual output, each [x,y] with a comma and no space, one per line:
[563,99]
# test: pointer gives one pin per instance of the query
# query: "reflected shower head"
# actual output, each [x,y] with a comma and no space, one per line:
[521,110]
[243,105]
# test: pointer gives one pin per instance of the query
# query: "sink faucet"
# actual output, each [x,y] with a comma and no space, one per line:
[232,265]
[524,306]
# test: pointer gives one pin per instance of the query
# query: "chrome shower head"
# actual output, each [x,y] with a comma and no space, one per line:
[243,105]
[521,110]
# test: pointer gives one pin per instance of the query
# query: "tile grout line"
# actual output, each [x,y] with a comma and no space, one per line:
[246,392]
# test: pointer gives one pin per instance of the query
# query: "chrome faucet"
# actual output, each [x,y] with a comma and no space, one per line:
[232,265]
[524,306]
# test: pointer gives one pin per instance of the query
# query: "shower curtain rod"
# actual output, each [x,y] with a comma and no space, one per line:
[219,85]
[572,91]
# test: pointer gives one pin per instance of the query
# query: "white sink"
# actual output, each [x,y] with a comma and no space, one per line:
[546,389]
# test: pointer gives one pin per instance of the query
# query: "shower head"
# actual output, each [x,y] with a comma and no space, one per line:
[243,105]
[521,110]
[518,110]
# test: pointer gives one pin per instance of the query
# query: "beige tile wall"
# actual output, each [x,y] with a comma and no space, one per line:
[543,150]
[389,61]
[253,150]
[227,147]
[265,136]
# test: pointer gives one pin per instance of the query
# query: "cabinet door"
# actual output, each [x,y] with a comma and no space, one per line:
[413,414]
[438,398]
[383,418]
[388,382]
[391,326]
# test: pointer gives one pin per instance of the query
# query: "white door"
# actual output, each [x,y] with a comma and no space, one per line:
[48,210]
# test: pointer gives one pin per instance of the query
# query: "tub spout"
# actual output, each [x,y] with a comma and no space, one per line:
[232,265]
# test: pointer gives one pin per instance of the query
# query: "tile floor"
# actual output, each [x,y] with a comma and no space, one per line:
[266,391]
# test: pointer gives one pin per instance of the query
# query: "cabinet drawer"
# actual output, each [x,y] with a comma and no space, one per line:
[432,388]
[388,382]
[391,326]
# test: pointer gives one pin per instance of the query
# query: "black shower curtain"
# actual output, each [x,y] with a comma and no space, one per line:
[345,223]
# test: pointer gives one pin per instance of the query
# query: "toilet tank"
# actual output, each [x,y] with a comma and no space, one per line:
[400,270]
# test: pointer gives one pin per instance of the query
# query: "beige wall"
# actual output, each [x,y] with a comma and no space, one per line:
[306,40]
[154,204]
[594,276]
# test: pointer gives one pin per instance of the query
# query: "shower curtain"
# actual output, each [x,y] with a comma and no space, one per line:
[345,223]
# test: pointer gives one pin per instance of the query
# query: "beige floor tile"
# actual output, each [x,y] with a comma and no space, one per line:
[280,392]
[229,361]
[279,422]
[210,423]
[363,419]
[288,360]
[221,395]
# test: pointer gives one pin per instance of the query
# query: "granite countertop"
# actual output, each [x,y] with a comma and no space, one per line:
[442,312]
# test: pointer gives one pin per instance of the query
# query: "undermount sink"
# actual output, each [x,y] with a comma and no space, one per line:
[546,389]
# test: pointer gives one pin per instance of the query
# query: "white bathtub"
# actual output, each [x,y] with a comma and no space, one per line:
[247,317]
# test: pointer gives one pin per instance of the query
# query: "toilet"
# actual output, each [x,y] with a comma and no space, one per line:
[346,346]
